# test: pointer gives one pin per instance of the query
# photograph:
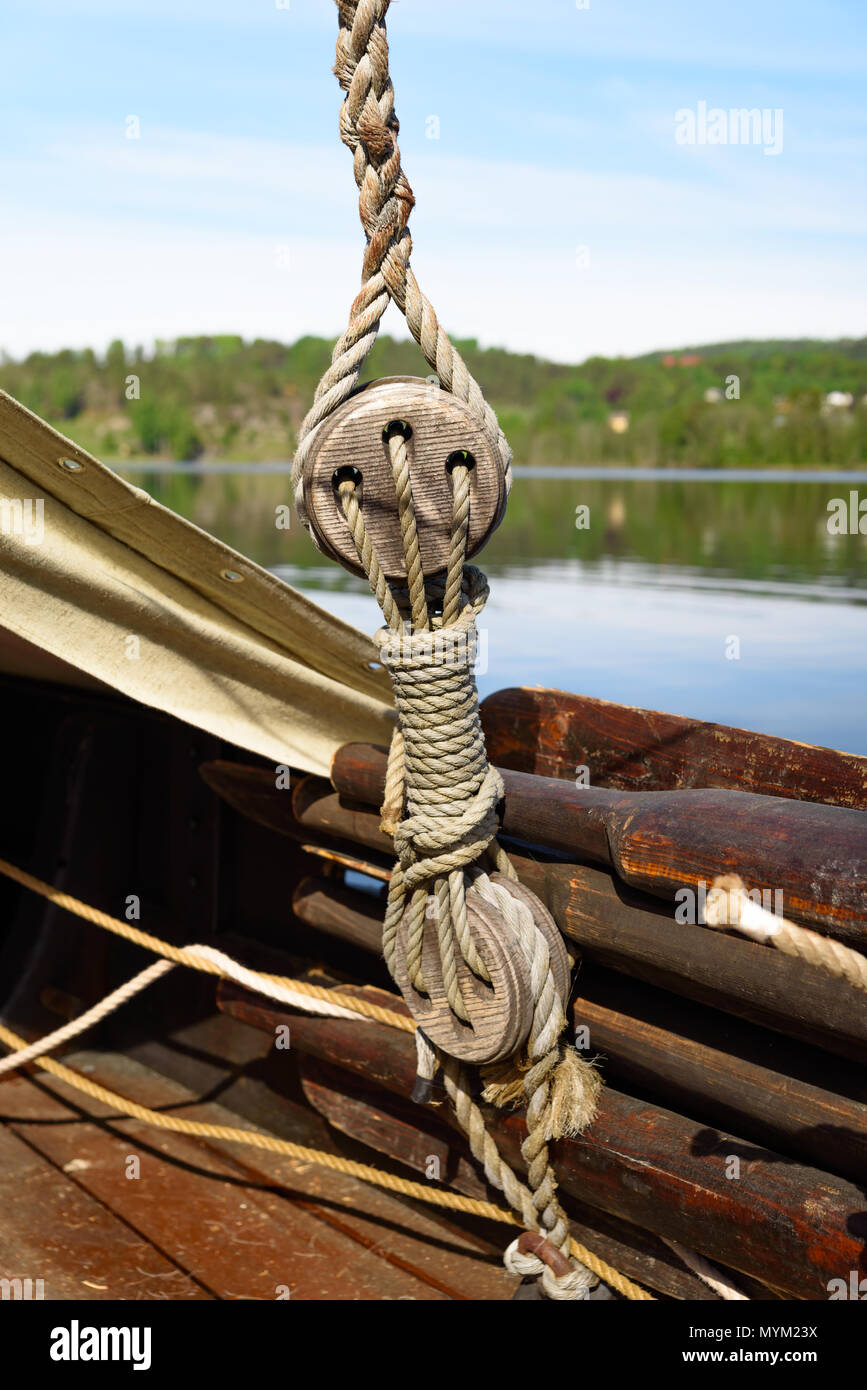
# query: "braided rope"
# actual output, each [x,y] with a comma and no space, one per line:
[728,904]
[369,127]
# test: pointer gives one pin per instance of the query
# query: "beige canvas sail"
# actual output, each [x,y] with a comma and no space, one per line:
[99,583]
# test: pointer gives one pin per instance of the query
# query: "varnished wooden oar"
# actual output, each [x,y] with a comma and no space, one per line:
[725,1072]
[620,927]
[815,855]
[553,733]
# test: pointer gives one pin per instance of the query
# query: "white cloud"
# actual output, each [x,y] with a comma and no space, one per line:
[181,233]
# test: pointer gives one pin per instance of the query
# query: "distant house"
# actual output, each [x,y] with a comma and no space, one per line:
[686,359]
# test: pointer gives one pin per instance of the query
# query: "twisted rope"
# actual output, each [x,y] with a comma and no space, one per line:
[369,127]
[576,1284]
[728,904]
[440,806]
[471,1118]
[550,1112]
[296,993]
[89,1018]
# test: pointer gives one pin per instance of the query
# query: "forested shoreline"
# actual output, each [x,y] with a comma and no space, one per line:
[748,404]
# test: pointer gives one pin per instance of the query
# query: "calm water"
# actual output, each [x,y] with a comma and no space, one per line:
[723,597]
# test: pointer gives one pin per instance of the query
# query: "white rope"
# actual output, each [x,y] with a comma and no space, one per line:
[728,904]
[86,1020]
[228,968]
[561,1287]
[284,994]
[217,962]
[708,1273]
[557,1287]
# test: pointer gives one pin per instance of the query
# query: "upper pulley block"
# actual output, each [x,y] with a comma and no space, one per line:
[439,428]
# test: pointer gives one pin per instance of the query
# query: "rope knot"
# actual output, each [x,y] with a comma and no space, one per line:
[532,1255]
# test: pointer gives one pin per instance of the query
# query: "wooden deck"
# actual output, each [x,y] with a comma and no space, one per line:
[207,1220]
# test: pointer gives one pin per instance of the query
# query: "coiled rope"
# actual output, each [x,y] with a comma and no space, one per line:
[440,805]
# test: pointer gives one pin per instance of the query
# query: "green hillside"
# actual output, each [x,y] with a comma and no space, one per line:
[723,405]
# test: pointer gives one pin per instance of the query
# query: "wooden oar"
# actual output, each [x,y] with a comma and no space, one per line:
[553,733]
[814,856]
[410,1134]
[726,1073]
[620,927]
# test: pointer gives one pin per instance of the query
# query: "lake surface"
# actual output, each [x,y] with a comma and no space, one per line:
[721,596]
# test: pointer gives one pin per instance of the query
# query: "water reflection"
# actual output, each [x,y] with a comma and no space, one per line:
[720,598]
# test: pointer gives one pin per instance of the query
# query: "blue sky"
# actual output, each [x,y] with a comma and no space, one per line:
[235,211]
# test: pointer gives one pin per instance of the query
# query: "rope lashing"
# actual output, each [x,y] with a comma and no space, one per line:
[558,1284]
[441,806]
[441,793]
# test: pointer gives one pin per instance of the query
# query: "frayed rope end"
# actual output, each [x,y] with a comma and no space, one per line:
[573,1097]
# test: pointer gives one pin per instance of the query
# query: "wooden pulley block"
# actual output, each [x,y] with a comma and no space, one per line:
[500,1012]
[355,437]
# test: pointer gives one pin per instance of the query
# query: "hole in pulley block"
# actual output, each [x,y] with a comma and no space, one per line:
[461,458]
[348,473]
[397,427]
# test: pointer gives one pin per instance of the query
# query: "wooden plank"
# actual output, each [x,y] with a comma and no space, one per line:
[340,911]
[790,1227]
[52,1229]
[318,1234]
[260,1083]
[728,1073]
[400,1128]
[770,1090]
[553,733]
[657,841]
[251,792]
